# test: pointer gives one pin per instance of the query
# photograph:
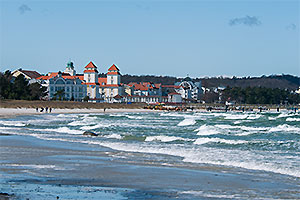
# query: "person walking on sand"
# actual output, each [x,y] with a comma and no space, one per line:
[46,110]
[42,109]
[50,109]
[37,109]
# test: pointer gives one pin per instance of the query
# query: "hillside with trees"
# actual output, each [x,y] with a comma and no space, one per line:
[274,81]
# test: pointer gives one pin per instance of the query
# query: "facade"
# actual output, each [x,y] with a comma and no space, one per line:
[111,87]
[190,91]
[90,77]
[174,97]
[68,85]
[64,86]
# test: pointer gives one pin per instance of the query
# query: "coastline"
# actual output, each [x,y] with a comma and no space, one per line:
[13,112]
[12,108]
[54,169]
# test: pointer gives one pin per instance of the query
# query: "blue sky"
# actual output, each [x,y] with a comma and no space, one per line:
[175,38]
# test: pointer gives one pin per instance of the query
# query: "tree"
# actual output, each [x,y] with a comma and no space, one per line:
[59,95]
[37,91]
[21,88]
[86,98]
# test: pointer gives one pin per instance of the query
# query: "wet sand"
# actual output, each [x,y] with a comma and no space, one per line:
[33,168]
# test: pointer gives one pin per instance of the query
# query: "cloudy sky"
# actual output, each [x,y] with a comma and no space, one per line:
[176,38]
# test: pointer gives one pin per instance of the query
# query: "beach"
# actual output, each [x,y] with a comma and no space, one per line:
[144,154]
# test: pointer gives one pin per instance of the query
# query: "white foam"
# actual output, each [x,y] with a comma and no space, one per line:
[172,114]
[226,126]
[34,166]
[285,128]
[207,130]
[187,122]
[12,123]
[218,140]
[62,130]
[94,127]
[163,138]
[133,117]
[293,119]
[236,116]
[203,194]
[247,128]
[114,136]
[254,116]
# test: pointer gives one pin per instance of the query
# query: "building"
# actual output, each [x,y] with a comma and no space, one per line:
[63,85]
[90,77]
[31,76]
[111,86]
[174,97]
[190,91]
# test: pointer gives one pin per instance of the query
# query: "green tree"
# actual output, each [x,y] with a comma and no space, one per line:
[59,95]
[37,91]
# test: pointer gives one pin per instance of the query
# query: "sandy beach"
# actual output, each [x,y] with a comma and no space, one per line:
[54,169]
[148,154]
[11,112]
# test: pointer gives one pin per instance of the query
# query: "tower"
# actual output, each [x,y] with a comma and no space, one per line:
[70,69]
[91,73]
[113,75]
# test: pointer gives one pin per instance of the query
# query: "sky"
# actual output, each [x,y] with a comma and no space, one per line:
[169,38]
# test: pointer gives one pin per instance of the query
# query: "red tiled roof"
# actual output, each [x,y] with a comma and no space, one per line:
[158,85]
[102,80]
[140,87]
[64,76]
[44,77]
[90,71]
[113,73]
[81,77]
[90,83]
[113,68]
[110,85]
[91,65]
[171,86]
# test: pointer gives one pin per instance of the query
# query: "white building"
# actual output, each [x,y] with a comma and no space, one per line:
[111,87]
[189,90]
[31,76]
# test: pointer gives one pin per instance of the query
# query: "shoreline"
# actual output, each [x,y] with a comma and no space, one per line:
[14,112]
[60,167]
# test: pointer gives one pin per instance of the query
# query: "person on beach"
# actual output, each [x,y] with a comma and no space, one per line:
[37,109]
[46,109]
[42,109]
[50,109]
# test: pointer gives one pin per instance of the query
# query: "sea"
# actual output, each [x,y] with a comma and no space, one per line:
[267,142]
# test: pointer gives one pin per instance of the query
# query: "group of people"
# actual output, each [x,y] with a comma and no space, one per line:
[42,109]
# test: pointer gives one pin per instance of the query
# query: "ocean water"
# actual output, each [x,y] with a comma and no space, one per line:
[268,142]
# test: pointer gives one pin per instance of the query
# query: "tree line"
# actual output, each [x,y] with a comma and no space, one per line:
[274,81]
[260,95]
[19,88]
